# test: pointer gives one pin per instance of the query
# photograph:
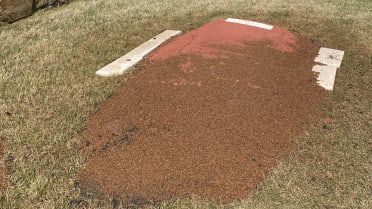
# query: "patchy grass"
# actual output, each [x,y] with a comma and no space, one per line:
[48,89]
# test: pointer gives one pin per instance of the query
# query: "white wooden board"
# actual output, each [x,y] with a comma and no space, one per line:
[331,60]
[250,23]
[125,62]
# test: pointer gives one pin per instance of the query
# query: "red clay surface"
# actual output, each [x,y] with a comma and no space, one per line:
[208,115]
[206,41]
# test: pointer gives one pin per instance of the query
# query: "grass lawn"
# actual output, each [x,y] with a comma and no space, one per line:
[49,88]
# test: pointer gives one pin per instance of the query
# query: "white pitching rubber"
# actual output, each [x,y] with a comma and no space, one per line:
[250,23]
[127,61]
[331,60]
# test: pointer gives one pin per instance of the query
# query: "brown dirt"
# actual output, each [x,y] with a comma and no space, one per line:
[205,126]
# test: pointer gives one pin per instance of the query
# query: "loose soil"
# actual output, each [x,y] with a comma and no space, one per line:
[206,115]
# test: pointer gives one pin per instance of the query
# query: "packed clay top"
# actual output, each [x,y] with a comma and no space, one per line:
[203,41]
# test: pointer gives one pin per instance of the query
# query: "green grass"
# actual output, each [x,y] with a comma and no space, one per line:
[48,85]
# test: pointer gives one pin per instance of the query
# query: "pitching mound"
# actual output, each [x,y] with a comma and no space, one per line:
[206,115]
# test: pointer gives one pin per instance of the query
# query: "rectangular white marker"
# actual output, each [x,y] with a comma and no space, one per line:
[250,23]
[331,60]
[330,57]
[122,64]
[326,76]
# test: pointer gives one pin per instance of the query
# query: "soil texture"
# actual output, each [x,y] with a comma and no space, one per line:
[206,115]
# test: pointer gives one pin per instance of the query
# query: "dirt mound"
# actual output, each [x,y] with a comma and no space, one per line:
[208,114]
[207,40]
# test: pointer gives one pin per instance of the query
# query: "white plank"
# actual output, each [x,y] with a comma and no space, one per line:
[330,57]
[164,36]
[143,49]
[125,62]
[250,23]
[118,66]
[326,76]
[331,60]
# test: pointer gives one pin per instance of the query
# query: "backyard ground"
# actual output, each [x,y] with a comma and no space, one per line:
[49,90]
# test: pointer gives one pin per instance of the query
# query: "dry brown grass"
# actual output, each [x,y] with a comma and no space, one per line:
[47,65]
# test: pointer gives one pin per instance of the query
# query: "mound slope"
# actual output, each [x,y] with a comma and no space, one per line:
[208,114]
